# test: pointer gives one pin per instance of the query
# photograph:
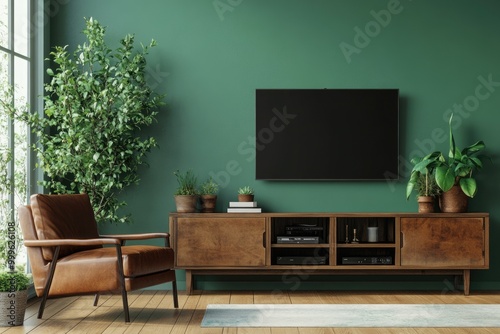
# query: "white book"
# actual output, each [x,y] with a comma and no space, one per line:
[242,204]
[244,210]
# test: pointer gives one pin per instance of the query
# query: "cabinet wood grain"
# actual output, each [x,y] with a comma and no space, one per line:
[220,242]
[443,243]
[408,244]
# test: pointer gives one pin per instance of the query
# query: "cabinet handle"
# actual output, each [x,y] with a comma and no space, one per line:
[264,239]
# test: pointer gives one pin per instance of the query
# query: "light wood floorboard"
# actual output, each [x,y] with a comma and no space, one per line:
[153,312]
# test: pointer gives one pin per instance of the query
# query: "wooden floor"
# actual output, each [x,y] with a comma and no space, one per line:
[153,312]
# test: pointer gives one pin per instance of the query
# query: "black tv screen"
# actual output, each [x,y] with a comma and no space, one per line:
[327,134]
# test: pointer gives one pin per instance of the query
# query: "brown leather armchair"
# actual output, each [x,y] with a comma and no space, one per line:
[68,256]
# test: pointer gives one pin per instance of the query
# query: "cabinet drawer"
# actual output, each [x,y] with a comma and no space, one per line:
[443,243]
[220,242]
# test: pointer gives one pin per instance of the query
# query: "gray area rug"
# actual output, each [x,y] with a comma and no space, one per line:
[352,315]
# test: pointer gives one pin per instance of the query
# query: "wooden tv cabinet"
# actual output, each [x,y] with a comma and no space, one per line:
[408,244]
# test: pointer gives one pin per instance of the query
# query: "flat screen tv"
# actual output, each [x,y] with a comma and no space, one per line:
[327,134]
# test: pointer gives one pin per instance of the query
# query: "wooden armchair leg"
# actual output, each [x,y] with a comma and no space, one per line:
[121,277]
[96,299]
[174,292]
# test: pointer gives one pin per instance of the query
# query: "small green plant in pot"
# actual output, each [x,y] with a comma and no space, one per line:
[186,194]
[208,195]
[245,194]
[422,180]
[13,296]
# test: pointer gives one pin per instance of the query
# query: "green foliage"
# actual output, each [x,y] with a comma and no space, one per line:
[187,183]
[246,190]
[209,187]
[14,280]
[12,186]
[459,166]
[426,186]
[457,169]
[95,106]
[422,177]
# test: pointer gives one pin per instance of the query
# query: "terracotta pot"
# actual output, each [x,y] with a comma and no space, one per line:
[453,200]
[208,203]
[185,203]
[245,198]
[425,204]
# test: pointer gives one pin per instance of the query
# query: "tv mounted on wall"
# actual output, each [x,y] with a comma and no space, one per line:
[327,134]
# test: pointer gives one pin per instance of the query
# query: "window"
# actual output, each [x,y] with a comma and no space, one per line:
[18,28]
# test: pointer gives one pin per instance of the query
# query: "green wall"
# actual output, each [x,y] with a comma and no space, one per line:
[212,55]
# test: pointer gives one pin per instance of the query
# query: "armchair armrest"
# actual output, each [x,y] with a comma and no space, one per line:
[71,242]
[141,236]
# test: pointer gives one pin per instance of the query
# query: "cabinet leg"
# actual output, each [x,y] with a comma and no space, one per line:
[189,282]
[466,282]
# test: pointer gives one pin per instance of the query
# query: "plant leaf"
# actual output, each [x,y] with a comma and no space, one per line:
[452,140]
[474,148]
[469,186]
[445,177]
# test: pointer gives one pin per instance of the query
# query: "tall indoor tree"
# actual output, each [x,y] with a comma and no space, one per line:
[13,179]
[89,136]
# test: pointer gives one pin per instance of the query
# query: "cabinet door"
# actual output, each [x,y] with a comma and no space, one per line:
[220,242]
[443,242]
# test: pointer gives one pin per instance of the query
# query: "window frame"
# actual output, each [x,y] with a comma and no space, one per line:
[35,28]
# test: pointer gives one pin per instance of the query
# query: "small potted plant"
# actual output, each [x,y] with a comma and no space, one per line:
[13,296]
[245,194]
[208,195]
[14,280]
[422,180]
[427,191]
[186,194]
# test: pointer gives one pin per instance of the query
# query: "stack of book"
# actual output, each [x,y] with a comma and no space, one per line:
[243,207]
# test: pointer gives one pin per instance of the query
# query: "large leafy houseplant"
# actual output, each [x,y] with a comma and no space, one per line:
[459,167]
[96,103]
[455,169]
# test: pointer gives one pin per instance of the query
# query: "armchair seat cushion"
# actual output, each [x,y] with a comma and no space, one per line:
[137,260]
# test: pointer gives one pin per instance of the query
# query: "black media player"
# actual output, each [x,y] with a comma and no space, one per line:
[367,260]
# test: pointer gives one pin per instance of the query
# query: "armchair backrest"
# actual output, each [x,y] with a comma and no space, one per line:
[63,217]
[39,267]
